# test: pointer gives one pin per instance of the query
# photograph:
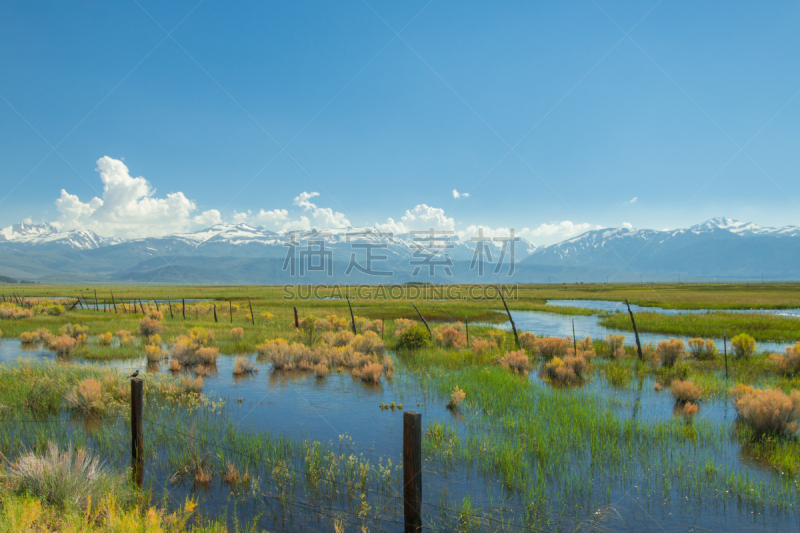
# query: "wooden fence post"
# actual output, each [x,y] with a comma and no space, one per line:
[466,324]
[513,326]
[156,302]
[725,348]
[183,307]
[230,310]
[137,432]
[423,320]
[296,321]
[574,339]
[352,317]
[114,303]
[412,471]
[252,316]
[383,319]
[169,303]
[96,305]
[215,312]
[635,332]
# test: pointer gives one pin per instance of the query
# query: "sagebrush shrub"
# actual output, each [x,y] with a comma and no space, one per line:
[243,366]
[87,397]
[703,348]
[549,347]
[685,391]
[149,326]
[237,333]
[527,341]
[63,344]
[516,362]
[670,352]
[743,345]
[154,353]
[413,337]
[767,412]
[450,337]
[788,364]
[615,345]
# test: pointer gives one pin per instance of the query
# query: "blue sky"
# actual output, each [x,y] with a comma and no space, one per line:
[546,114]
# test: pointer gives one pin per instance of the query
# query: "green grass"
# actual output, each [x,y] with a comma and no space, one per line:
[762,326]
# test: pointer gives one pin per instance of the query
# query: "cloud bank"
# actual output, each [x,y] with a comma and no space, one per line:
[130,208]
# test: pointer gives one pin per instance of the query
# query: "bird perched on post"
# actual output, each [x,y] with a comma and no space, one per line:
[135,374]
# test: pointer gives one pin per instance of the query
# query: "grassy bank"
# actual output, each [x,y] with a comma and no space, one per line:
[761,326]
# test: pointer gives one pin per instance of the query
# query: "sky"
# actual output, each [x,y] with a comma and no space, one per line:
[145,118]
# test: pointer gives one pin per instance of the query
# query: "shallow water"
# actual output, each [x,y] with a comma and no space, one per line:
[556,325]
[299,406]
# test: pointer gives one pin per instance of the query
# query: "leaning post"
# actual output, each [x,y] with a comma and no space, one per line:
[513,326]
[635,332]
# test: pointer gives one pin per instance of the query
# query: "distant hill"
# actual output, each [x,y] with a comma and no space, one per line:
[236,254]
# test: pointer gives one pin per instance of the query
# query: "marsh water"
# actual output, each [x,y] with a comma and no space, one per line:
[557,325]
[345,413]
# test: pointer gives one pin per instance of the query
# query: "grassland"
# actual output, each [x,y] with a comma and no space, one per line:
[550,447]
[761,326]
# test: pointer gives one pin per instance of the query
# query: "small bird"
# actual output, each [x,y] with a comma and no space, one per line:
[135,374]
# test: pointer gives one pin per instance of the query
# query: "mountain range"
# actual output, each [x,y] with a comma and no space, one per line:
[719,248]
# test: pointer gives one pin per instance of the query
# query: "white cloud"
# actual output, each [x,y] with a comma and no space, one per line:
[129,207]
[425,217]
[634,200]
[458,195]
[303,200]
[207,218]
[562,229]
[324,217]
[276,216]
[627,225]
[391,226]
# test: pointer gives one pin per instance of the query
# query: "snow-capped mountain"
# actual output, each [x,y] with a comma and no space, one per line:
[48,235]
[717,247]
[227,253]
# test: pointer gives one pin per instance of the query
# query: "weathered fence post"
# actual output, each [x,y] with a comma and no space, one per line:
[215,312]
[513,326]
[157,308]
[725,351]
[382,321]
[296,320]
[574,339]
[230,310]
[423,320]
[137,432]
[183,307]
[114,303]
[635,332]
[252,316]
[96,305]
[466,324]
[412,471]
[352,317]
[169,303]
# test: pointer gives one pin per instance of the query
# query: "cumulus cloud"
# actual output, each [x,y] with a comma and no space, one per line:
[458,195]
[424,217]
[627,225]
[564,229]
[633,201]
[129,207]
[391,226]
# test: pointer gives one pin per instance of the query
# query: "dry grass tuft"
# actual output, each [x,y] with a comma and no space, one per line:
[174,365]
[105,339]
[369,373]
[29,337]
[567,370]
[688,410]
[88,397]
[237,333]
[456,398]
[527,341]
